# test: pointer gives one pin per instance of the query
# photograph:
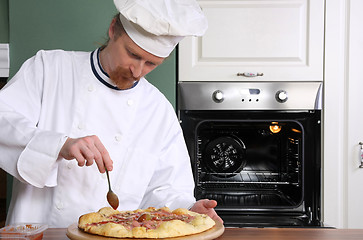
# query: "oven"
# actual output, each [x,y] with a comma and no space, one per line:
[255,148]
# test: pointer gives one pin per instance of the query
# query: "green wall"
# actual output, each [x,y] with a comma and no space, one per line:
[70,25]
[4,21]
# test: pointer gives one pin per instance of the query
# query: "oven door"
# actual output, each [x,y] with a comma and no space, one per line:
[262,167]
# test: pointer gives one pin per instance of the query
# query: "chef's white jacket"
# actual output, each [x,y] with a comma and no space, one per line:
[57,94]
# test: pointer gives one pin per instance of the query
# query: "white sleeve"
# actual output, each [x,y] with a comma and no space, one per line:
[172,183]
[27,152]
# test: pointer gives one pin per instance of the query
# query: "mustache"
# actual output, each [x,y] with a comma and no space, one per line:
[122,73]
[123,78]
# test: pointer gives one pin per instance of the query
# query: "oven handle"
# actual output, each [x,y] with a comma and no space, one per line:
[361,154]
[250,74]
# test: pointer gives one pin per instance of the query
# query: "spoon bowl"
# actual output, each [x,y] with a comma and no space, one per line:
[111,196]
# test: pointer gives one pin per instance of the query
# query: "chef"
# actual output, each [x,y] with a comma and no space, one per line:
[66,116]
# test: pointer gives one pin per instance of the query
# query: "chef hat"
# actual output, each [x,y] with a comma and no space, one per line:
[158,25]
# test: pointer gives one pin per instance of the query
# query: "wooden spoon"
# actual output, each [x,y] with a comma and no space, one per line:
[111,196]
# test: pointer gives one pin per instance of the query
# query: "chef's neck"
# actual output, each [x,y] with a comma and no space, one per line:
[104,59]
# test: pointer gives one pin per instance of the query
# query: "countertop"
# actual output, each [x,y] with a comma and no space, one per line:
[259,234]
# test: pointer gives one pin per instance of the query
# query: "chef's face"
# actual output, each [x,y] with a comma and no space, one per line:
[125,62]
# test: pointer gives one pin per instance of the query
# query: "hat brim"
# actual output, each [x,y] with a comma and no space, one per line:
[160,46]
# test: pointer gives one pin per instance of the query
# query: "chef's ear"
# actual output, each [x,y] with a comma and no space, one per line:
[111,29]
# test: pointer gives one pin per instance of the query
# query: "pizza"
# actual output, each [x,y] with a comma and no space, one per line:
[145,223]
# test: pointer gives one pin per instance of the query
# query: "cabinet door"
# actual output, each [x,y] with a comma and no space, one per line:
[354,83]
[282,40]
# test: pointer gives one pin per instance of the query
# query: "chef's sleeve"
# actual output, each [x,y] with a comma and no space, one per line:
[172,183]
[27,152]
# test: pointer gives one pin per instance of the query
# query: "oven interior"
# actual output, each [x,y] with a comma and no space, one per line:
[250,163]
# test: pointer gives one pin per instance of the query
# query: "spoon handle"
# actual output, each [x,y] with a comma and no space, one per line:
[108,179]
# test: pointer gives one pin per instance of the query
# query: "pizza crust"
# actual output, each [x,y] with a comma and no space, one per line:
[169,228]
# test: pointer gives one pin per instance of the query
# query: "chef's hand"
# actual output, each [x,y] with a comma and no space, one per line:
[206,206]
[86,150]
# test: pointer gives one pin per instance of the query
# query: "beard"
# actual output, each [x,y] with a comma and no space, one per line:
[123,78]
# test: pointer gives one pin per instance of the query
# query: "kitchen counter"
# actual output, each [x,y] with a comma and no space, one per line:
[258,234]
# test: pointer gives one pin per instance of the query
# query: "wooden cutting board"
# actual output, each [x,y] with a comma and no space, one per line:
[74,233]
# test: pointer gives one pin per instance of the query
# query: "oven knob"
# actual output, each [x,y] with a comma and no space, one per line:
[218,96]
[281,96]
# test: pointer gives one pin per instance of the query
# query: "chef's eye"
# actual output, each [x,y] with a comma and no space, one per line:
[133,55]
[150,63]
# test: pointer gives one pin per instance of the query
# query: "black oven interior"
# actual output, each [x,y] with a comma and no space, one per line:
[262,167]
[261,158]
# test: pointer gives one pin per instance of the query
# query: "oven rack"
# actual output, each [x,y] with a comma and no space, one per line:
[248,177]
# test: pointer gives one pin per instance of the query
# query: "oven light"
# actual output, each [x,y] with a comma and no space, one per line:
[275,128]
[295,130]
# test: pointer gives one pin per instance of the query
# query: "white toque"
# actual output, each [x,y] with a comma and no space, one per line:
[158,25]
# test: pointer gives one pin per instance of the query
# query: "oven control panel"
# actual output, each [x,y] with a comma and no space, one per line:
[249,95]
[281,96]
[217,96]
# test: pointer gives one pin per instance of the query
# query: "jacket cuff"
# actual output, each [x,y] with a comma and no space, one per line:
[37,164]
[185,201]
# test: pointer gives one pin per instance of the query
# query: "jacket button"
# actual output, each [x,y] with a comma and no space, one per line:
[118,137]
[59,205]
[80,126]
[91,88]
[70,164]
[130,102]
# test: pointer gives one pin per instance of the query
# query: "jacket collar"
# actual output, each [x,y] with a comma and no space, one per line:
[101,74]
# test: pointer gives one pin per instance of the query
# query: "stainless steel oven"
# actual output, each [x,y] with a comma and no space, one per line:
[255,147]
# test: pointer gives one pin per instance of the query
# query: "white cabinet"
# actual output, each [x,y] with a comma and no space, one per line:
[279,39]
[343,130]
[354,181]
[354,121]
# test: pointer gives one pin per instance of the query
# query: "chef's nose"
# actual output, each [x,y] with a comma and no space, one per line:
[136,69]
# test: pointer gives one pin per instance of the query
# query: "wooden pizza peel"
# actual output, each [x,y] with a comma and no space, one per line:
[74,233]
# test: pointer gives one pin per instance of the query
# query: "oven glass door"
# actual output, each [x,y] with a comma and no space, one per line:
[250,163]
[256,162]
